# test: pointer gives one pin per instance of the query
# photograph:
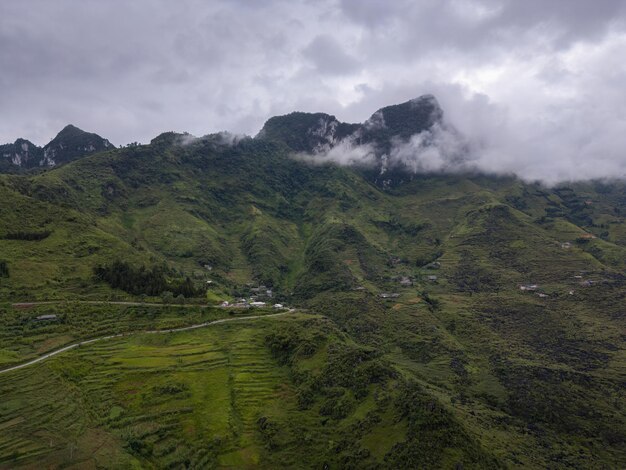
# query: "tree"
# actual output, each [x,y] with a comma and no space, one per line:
[167,297]
[4,269]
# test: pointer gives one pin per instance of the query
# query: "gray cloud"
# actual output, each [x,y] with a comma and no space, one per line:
[328,56]
[535,86]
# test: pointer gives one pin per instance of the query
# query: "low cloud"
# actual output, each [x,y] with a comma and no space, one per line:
[523,124]
[344,153]
[438,149]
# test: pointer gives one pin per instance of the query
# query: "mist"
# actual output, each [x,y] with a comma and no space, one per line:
[553,143]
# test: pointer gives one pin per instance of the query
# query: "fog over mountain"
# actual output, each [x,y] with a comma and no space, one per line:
[533,88]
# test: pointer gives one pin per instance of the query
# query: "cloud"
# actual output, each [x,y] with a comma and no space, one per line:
[439,149]
[328,56]
[537,85]
[344,153]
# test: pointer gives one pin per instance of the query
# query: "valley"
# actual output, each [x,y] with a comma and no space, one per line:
[437,320]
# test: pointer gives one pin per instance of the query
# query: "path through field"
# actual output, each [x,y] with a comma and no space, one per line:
[172,330]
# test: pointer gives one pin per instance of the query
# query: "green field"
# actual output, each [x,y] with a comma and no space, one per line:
[214,397]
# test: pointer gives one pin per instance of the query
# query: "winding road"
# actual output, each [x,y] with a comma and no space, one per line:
[171,330]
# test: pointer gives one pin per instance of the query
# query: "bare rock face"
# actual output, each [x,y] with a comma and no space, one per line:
[21,154]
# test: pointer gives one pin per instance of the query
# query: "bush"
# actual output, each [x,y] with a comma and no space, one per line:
[4,269]
[28,236]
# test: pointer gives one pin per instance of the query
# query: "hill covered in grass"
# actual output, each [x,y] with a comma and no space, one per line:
[418,346]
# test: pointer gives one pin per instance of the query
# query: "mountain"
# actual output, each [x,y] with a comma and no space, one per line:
[68,145]
[315,132]
[447,320]
[21,154]
[388,145]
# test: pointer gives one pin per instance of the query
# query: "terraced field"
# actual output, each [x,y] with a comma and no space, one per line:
[24,336]
[159,397]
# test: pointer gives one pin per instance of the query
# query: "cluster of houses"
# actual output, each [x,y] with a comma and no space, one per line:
[584,236]
[249,303]
[579,277]
[259,297]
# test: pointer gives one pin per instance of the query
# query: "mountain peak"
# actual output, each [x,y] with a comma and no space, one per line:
[69,144]
[406,119]
[72,143]
[306,132]
[71,129]
[314,132]
[72,132]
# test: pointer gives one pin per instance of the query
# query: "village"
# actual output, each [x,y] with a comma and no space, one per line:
[260,297]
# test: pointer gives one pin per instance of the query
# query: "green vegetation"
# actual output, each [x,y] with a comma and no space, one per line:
[25,335]
[4,269]
[137,281]
[415,346]
[31,236]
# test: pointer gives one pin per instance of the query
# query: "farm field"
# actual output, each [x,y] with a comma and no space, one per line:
[163,397]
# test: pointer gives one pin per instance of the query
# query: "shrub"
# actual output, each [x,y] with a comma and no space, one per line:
[28,236]
[4,269]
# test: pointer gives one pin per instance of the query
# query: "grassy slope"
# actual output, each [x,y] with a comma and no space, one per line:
[533,381]
[217,397]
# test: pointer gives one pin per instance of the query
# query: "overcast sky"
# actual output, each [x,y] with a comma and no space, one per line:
[541,83]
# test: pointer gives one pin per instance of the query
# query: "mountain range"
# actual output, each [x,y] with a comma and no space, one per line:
[68,145]
[447,319]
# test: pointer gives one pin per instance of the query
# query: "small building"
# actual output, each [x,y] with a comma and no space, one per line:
[432,278]
[386,295]
[529,287]
[278,305]
[542,295]
[586,236]
[46,318]
[257,304]
[433,265]
[406,281]
[225,303]
[566,245]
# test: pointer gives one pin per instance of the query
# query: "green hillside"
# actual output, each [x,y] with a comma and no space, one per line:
[413,345]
